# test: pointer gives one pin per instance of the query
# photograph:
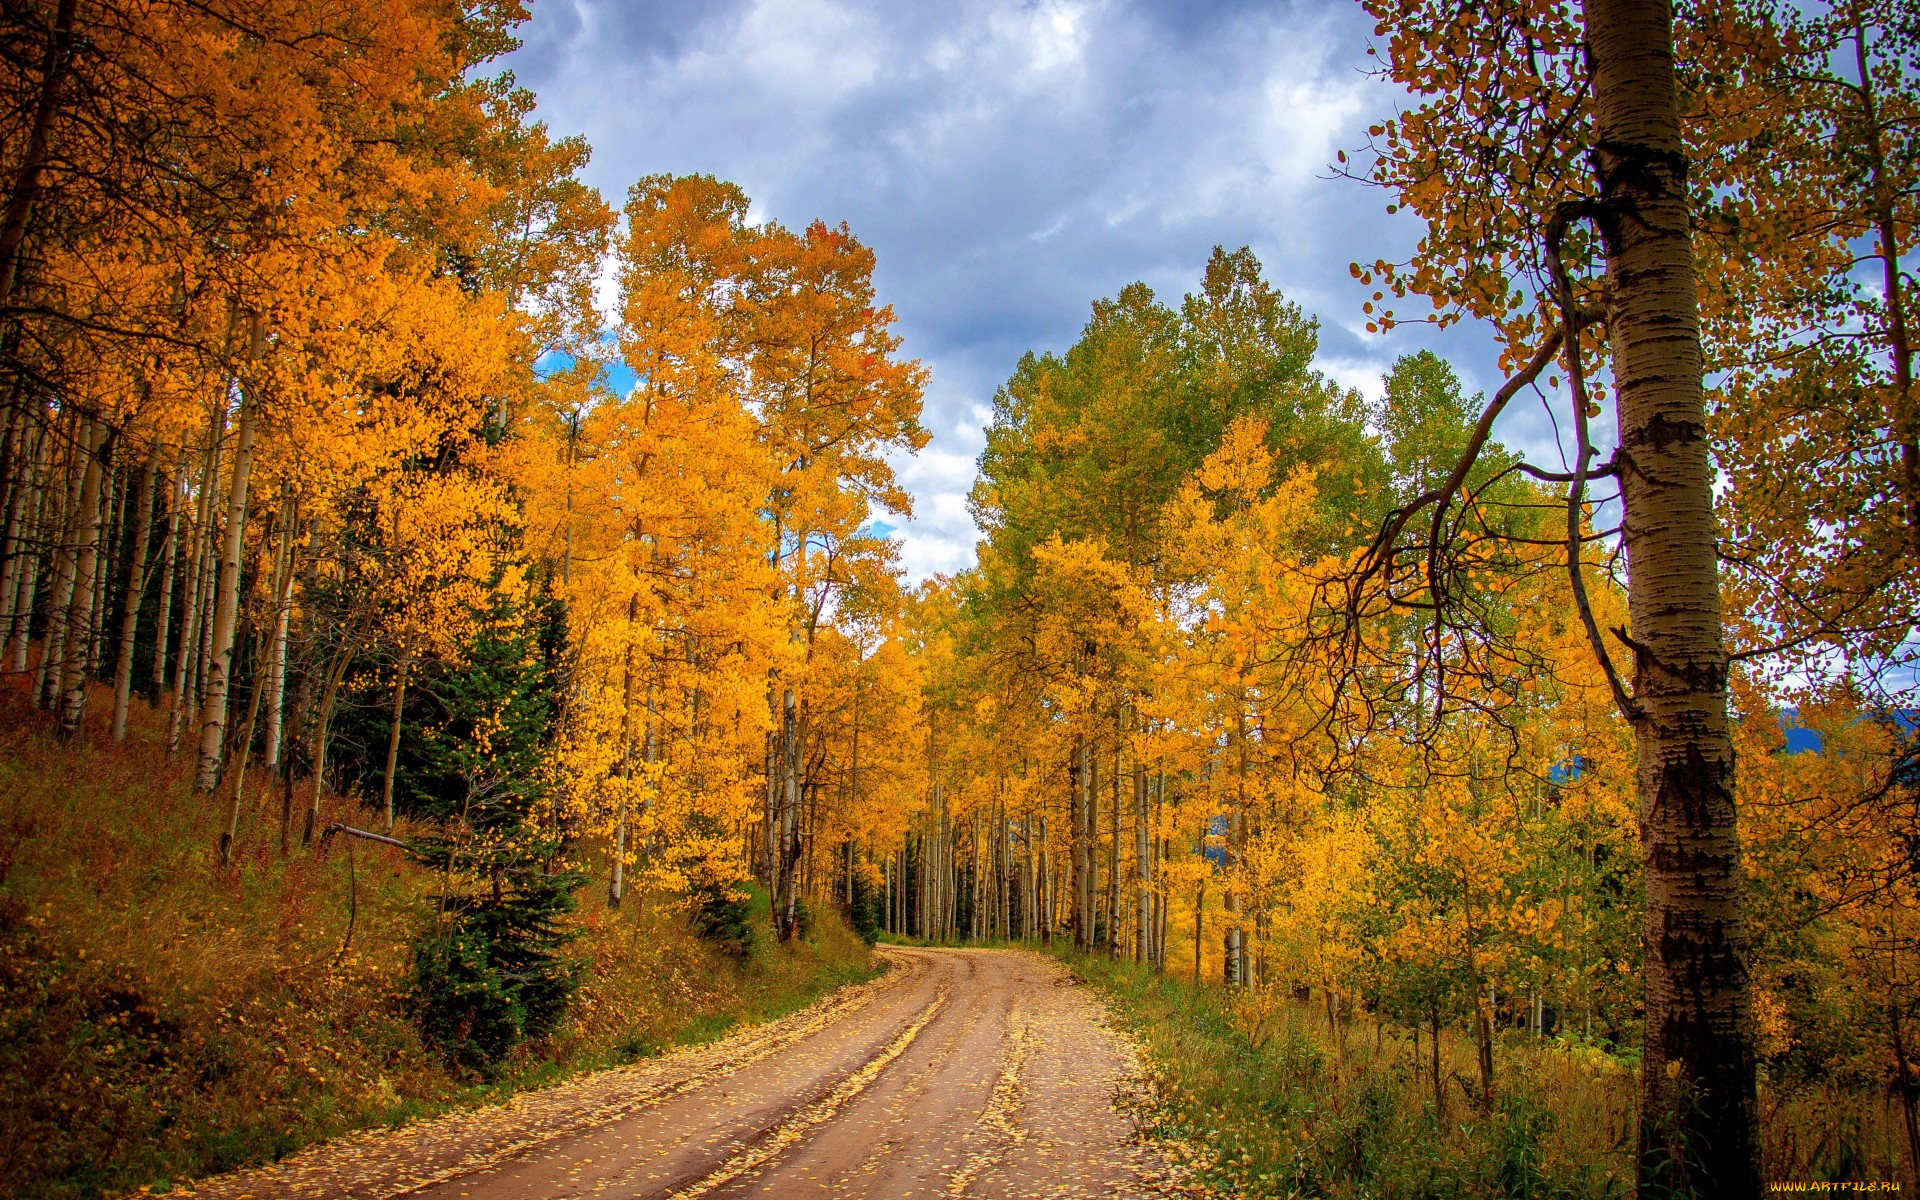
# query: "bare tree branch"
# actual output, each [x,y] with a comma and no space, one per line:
[1583,451]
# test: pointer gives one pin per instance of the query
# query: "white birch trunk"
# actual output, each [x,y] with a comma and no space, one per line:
[186,659]
[283,573]
[393,738]
[113,515]
[136,589]
[213,715]
[73,668]
[169,556]
[13,567]
[61,524]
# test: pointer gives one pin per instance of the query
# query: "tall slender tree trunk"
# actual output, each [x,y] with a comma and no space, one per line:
[393,742]
[1439,1091]
[79,621]
[1904,417]
[136,589]
[787,854]
[1163,904]
[1115,918]
[113,516]
[1233,970]
[13,557]
[226,606]
[1085,786]
[13,553]
[301,695]
[169,557]
[283,570]
[616,883]
[23,195]
[14,457]
[209,593]
[322,719]
[209,567]
[28,585]
[936,870]
[1030,896]
[920,925]
[1483,1046]
[1699,1117]
[770,816]
[974,905]
[1200,928]
[1007,873]
[1142,867]
[1043,884]
[64,523]
[243,751]
[187,657]
[21,566]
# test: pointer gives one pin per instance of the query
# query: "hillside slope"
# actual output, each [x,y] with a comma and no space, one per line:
[163,1018]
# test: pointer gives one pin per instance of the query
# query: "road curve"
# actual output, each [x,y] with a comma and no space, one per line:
[958,1073]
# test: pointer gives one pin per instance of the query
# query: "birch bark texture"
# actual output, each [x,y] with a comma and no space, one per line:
[72,668]
[130,607]
[213,715]
[1698,1108]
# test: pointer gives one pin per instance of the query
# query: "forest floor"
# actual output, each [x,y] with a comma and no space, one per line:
[987,1073]
[165,1018]
[1254,1097]
[1256,1094]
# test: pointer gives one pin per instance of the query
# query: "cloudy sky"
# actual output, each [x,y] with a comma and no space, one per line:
[1009,162]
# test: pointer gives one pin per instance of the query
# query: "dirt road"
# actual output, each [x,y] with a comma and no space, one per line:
[983,1073]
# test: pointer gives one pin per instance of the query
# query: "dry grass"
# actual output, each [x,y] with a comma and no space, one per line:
[1263,1099]
[163,1017]
[1823,1132]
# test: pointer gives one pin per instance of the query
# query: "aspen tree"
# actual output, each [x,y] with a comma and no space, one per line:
[169,558]
[137,580]
[226,608]
[1610,83]
[17,570]
[199,538]
[77,622]
[244,748]
[29,576]
[1143,929]
[113,497]
[393,737]
[65,524]
[285,554]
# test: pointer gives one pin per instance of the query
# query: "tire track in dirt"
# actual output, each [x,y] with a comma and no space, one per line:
[977,1073]
[376,1164]
[753,1161]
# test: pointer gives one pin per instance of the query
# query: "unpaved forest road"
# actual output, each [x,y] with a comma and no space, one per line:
[985,1073]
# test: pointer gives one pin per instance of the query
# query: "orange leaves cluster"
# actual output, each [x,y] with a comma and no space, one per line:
[712,529]
[1493,144]
[1169,508]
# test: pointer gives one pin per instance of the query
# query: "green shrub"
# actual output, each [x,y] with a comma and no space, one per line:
[864,914]
[1263,1100]
[723,916]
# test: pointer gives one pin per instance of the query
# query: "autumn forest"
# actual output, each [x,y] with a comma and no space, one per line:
[400,717]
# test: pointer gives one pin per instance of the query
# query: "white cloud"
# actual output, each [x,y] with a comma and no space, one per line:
[1009,161]
[1053,34]
[1364,375]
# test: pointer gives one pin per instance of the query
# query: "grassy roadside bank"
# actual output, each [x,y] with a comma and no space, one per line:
[1271,1103]
[1261,1097]
[163,1018]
